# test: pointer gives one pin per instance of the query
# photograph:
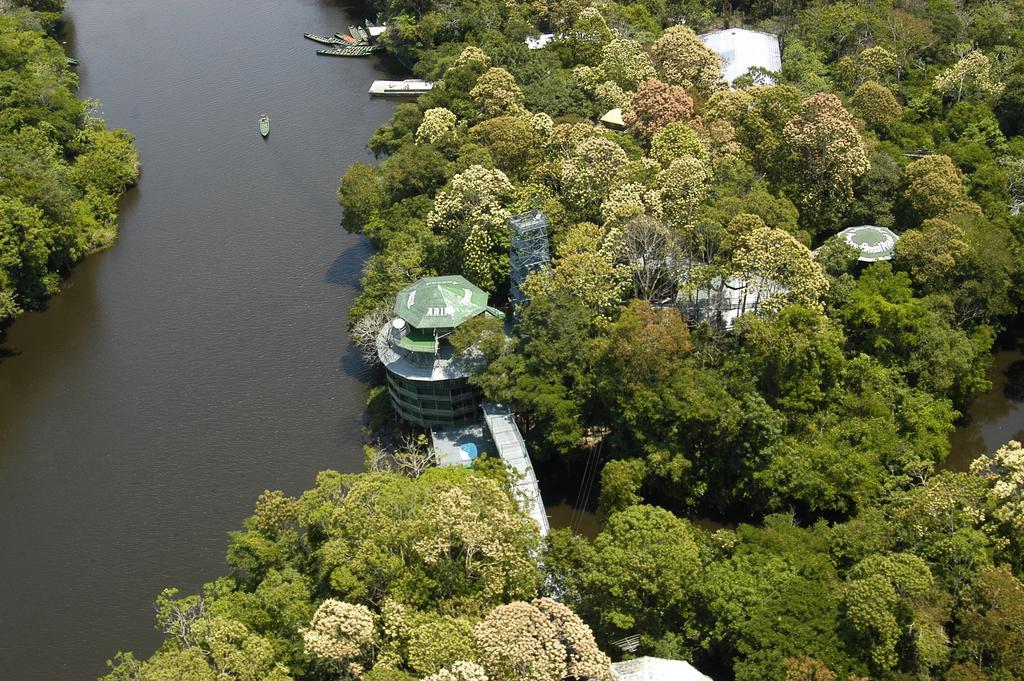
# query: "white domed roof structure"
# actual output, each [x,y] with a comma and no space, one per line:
[874,243]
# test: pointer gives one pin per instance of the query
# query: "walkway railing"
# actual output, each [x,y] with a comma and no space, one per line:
[511,447]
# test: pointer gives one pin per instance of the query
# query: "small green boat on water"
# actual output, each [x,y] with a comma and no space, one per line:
[264,124]
[323,39]
[71,61]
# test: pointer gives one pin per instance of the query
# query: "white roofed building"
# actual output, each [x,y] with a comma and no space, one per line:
[538,42]
[656,669]
[721,301]
[742,49]
[873,242]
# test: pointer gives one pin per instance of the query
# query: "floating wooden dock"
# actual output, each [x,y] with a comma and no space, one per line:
[325,40]
[400,88]
[350,51]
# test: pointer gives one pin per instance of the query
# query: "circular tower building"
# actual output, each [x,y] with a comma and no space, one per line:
[427,383]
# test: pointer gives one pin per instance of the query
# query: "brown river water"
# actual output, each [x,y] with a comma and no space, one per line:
[994,418]
[204,357]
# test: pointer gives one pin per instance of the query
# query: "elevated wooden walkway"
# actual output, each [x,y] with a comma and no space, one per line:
[509,442]
[499,435]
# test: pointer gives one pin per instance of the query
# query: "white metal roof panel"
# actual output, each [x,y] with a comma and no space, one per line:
[742,49]
[656,669]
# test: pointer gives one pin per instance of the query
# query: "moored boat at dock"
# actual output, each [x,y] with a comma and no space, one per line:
[360,34]
[350,51]
[325,40]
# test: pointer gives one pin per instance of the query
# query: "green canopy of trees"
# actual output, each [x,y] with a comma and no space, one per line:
[377,576]
[833,403]
[814,427]
[845,384]
[61,170]
[380,576]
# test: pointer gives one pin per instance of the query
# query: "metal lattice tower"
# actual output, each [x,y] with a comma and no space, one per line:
[529,249]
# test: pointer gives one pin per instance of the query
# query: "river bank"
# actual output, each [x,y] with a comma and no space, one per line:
[203,358]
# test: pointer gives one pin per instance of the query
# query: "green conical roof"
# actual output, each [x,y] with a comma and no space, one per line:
[440,302]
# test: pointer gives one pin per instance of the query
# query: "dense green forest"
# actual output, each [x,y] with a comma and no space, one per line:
[816,427]
[845,388]
[61,170]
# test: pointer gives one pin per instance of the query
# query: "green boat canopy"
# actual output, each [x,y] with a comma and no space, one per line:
[441,303]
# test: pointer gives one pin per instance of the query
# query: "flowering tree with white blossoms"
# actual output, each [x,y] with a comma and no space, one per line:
[497,94]
[969,78]
[588,172]
[780,269]
[610,95]
[626,63]
[682,59]
[675,140]
[684,184]
[438,125]
[471,56]
[470,212]
[538,641]
[584,660]
[1005,468]
[587,36]
[460,671]
[340,634]
[492,543]
[629,200]
[936,188]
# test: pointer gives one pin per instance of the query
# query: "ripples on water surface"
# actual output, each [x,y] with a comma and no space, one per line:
[204,357]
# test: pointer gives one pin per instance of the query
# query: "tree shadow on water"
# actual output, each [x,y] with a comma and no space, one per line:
[345,271]
[352,365]
[5,352]
[1014,386]
[348,266]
